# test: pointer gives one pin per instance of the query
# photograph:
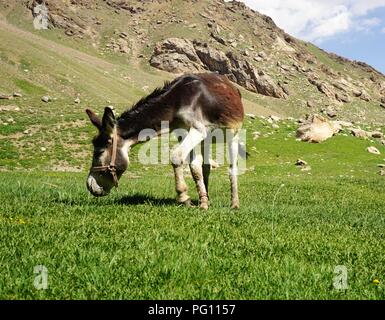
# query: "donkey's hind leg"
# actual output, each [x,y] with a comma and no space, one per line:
[206,166]
[196,162]
[233,144]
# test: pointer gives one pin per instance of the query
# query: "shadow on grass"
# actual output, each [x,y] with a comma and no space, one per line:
[138,198]
[132,199]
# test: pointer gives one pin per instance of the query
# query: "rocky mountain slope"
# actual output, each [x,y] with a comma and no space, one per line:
[142,43]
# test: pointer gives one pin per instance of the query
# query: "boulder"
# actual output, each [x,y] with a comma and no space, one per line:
[331,113]
[218,38]
[373,150]
[317,129]
[342,97]
[266,86]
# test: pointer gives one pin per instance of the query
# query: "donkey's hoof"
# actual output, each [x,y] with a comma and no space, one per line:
[204,206]
[187,203]
[235,206]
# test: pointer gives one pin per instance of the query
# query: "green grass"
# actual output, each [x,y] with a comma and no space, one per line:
[283,243]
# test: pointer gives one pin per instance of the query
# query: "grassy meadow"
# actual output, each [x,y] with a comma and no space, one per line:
[293,228]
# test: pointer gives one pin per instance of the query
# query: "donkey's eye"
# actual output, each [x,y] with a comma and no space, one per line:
[98,152]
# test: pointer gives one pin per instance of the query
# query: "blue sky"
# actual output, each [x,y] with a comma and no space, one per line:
[351,28]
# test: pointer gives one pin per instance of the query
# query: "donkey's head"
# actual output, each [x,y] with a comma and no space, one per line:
[110,157]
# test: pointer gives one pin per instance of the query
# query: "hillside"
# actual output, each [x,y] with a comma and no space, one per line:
[98,53]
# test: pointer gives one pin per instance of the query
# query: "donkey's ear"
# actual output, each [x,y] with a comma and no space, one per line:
[94,119]
[108,122]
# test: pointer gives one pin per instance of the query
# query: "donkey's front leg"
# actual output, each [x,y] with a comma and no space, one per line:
[194,137]
[197,173]
[181,186]
[180,183]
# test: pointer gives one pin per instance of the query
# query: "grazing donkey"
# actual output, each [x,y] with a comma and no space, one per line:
[195,102]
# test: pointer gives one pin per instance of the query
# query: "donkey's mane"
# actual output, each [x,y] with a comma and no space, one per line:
[147,100]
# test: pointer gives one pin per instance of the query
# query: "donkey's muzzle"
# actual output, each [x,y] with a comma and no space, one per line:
[95,189]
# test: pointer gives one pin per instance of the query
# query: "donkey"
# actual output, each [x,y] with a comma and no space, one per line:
[194,102]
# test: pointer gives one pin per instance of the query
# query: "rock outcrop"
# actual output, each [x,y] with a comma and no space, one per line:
[181,55]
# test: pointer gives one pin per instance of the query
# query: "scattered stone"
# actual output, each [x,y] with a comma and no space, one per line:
[256,135]
[218,38]
[46,99]
[274,118]
[9,108]
[250,115]
[310,104]
[77,100]
[5,96]
[331,113]
[17,95]
[373,150]
[322,87]
[344,123]
[359,133]
[300,162]
[43,149]
[26,131]
[377,134]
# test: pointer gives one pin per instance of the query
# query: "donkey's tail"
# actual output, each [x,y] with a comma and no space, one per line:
[242,151]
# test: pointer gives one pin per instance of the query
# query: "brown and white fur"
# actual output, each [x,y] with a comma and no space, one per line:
[196,102]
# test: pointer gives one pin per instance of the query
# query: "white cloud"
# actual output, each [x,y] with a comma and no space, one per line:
[383,30]
[316,20]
